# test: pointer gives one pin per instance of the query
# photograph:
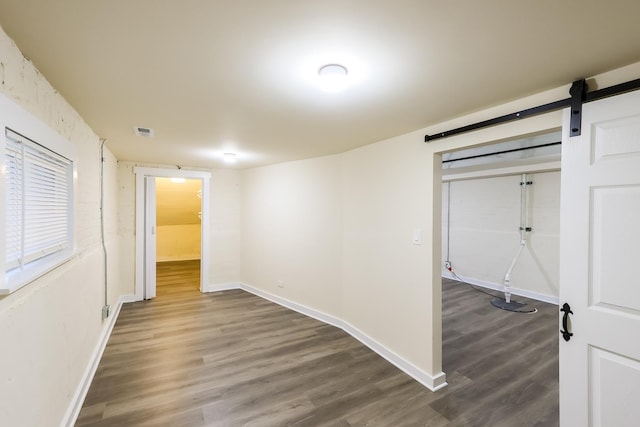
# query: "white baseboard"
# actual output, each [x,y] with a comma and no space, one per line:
[221,287]
[302,309]
[432,382]
[75,406]
[500,288]
[124,299]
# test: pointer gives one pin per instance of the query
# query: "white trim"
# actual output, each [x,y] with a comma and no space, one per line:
[500,288]
[149,233]
[432,382]
[144,172]
[38,269]
[16,118]
[75,405]
[171,173]
[221,287]
[302,309]
[501,170]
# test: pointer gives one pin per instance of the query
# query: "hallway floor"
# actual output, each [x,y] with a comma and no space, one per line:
[234,359]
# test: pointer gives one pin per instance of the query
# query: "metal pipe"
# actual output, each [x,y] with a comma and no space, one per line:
[448,220]
[523,236]
[105,309]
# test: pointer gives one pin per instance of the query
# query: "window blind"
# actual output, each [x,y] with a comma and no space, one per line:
[38,201]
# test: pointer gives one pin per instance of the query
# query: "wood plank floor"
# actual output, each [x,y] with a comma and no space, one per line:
[234,359]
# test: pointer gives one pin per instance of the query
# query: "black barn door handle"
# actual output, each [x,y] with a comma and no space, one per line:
[566,309]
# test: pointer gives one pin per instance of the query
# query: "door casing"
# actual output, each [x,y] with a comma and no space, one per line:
[150,225]
[544,123]
[143,207]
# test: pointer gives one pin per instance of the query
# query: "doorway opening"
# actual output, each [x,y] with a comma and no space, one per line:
[484,240]
[178,235]
[501,218]
[172,223]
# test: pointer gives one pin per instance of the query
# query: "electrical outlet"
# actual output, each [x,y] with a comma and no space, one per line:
[281,283]
[447,265]
[105,311]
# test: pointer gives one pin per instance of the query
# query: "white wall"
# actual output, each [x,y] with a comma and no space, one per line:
[49,328]
[292,231]
[337,230]
[371,199]
[484,232]
[225,228]
[385,293]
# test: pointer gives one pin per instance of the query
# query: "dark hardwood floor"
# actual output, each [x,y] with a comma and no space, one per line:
[502,367]
[234,359]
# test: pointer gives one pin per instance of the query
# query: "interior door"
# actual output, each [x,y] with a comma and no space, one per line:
[150,238]
[600,266]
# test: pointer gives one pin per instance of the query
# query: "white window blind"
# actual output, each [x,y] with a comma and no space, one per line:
[38,202]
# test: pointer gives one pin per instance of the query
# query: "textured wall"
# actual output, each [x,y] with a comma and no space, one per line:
[484,231]
[49,328]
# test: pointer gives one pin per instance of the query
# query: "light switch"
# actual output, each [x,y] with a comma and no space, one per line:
[417,236]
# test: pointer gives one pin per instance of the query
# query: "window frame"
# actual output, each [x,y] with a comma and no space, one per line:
[19,121]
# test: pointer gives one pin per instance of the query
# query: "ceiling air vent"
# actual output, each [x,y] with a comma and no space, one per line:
[140,131]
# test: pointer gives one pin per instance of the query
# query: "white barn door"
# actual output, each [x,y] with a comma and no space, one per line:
[600,266]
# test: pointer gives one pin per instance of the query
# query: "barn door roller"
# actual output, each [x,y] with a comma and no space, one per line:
[578,93]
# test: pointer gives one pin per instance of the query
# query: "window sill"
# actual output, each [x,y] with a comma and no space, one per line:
[14,280]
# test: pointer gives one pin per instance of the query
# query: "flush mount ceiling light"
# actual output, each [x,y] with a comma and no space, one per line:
[229,157]
[333,77]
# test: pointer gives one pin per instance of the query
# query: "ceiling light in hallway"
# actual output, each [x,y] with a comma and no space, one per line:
[333,77]
[229,157]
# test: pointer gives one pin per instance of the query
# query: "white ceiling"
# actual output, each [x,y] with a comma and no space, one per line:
[211,76]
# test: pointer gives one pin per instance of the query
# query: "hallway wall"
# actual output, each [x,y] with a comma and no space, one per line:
[372,199]
[50,327]
[292,231]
